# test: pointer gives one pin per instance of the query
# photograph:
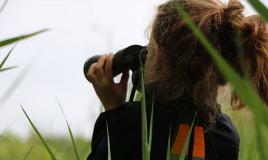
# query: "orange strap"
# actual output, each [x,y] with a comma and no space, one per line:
[180,140]
[199,142]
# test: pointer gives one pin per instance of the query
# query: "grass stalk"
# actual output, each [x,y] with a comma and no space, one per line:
[144,129]
[19,38]
[168,146]
[28,153]
[6,57]
[185,147]
[260,8]
[151,125]
[52,155]
[77,156]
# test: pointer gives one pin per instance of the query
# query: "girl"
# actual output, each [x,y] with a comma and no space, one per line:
[185,82]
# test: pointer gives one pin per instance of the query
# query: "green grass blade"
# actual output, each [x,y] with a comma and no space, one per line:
[71,133]
[151,125]
[28,153]
[39,135]
[144,129]
[242,87]
[260,8]
[6,57]
[19,38]
[261,147]
[168,146]
[108,141]
[185,147]
[3,6]
[8,68]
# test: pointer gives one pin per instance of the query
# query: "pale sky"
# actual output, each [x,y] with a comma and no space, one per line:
[79,29]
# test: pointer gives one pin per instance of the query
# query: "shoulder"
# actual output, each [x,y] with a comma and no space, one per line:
[223,139]
[126,109]
[124,114]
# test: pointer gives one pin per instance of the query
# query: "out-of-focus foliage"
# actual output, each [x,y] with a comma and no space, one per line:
[15,148]
[244,122]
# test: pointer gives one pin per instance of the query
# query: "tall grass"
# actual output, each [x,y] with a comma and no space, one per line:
[77,156]
[168,157]
[20,38]
[28,153]
[9,41]
[144,128]
[23,73]
[4,98]
[241,85]
[259,7]
[52,155]
[5,59]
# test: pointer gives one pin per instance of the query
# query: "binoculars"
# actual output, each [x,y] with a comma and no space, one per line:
[125,59]
[130,58]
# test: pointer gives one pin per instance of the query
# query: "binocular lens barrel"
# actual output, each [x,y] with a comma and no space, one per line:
[125,59]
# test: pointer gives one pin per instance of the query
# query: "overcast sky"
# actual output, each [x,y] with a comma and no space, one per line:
[79,29]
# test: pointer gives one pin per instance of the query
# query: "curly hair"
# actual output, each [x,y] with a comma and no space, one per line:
[182,67]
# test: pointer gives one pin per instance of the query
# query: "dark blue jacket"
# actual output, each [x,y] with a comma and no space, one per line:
[124,122]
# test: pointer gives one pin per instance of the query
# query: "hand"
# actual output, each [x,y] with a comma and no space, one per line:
[100,74]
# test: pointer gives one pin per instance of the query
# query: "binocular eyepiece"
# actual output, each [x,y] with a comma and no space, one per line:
[125,59]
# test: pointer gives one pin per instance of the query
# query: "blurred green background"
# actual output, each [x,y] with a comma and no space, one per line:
[14,148]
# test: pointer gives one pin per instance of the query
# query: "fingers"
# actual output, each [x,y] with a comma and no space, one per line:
[99,68]
[91,73]
[96,71]
[103,68]
[109,67]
